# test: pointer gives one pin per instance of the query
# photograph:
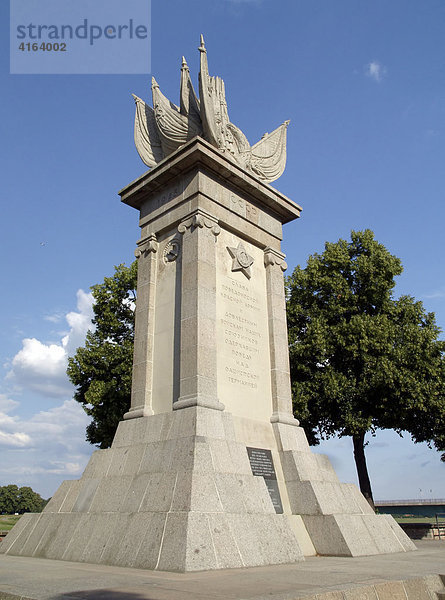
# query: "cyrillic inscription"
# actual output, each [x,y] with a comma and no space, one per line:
[241,334]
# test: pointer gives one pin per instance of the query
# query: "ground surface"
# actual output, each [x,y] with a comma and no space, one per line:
[41,579]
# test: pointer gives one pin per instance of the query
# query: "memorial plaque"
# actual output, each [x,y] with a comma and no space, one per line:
[261,464]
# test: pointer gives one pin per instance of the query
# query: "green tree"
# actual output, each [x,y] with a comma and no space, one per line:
[19,500]
[29,501]
[361,360]
[101,369]
[9,499]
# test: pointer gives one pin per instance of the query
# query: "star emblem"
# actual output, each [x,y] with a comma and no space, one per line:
[241,260]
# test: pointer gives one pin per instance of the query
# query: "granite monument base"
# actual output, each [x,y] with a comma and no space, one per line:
[177,492]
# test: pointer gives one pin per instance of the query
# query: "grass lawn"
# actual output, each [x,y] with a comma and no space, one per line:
[7,522]
[418,519]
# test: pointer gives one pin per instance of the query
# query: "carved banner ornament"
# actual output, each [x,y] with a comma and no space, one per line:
[161,130]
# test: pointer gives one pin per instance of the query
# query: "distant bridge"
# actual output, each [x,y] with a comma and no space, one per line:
[412,502]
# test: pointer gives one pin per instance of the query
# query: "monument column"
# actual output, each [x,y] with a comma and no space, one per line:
[278,342]
[198,385]
[142,378]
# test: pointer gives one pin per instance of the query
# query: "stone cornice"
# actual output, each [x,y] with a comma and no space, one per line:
[199,154]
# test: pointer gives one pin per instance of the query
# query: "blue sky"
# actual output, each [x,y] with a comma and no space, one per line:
[363,85]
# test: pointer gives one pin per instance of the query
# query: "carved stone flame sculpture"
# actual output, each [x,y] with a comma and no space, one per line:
[161,130]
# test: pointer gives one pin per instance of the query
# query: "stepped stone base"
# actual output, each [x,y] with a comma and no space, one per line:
[337,517]
[176,492]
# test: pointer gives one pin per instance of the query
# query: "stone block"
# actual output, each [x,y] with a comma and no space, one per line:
[256,496]
[200,552]
[247,535]
[134,458]
[240,458]
[98,464]
[361,593]
[184,422]
[152,460]
[289,437]
[219,454]
[87,490]
[118,461]
[94,544]
[158,427]
[172,554]
[302,498]
[136,493]
[80,537]
[326,468]
[148,552]
[300,466]
[363,505]
[71,496]
[302,535]
[110,494]
[326,535]
[278,541]
[229,428]
[209,423]
[321,497]
[229,486]
[28,547]
[159,493]
[116,524]
[416,589]
[390,590]
[382,534]
[56,546]
[201,455]
[435,583]
[226,549]
[196,492]
[407,544]
[361,541]
[50,531]
[58,498]
[19,533]
[132,538]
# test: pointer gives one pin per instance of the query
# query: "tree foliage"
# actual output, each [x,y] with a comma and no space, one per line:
[20,500]
[361,360]
[101,369]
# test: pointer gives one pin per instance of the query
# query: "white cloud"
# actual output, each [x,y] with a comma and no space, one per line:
[375,71]
[433,295]
[14,440]
[55,318]
[40,366]
[45,448]
[6,404]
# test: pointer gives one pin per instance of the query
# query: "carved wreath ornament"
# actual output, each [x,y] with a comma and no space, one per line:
[171,251]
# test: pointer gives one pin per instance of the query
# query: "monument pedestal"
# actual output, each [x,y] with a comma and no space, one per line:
[209,469]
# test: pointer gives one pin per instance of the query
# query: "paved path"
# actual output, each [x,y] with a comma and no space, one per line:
[43,579]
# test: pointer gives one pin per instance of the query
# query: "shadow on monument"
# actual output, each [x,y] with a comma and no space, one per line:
[104,594]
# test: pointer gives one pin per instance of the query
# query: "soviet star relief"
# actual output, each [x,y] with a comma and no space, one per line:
[241,260]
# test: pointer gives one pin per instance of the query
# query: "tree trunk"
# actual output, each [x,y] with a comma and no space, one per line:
[362,469]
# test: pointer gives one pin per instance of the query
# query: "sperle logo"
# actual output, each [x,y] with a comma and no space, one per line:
[82,32]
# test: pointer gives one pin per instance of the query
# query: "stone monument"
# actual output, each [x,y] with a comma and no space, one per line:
[209,468]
